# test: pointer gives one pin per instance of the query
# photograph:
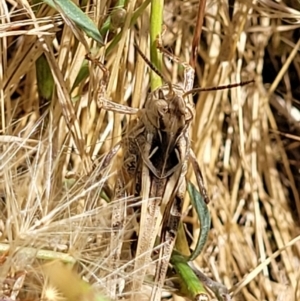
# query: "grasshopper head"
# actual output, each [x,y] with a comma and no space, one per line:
[168,110]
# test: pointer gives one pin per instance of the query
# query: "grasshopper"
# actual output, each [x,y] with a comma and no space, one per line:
[156,154]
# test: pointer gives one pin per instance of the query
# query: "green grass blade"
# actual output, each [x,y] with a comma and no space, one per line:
[72,11]
[203,216]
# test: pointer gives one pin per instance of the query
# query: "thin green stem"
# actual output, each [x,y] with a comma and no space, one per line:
[156,20]
[189,285]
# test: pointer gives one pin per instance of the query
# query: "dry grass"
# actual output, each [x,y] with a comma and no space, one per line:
[246,140]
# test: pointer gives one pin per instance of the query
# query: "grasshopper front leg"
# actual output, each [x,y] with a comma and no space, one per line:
[108,105]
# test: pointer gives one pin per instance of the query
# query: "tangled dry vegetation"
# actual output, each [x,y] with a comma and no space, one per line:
[246,140]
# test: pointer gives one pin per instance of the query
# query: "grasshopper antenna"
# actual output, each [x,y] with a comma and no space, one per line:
[218,88]
[152,67]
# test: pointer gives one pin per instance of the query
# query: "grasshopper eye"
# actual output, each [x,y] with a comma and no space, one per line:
[162,107]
